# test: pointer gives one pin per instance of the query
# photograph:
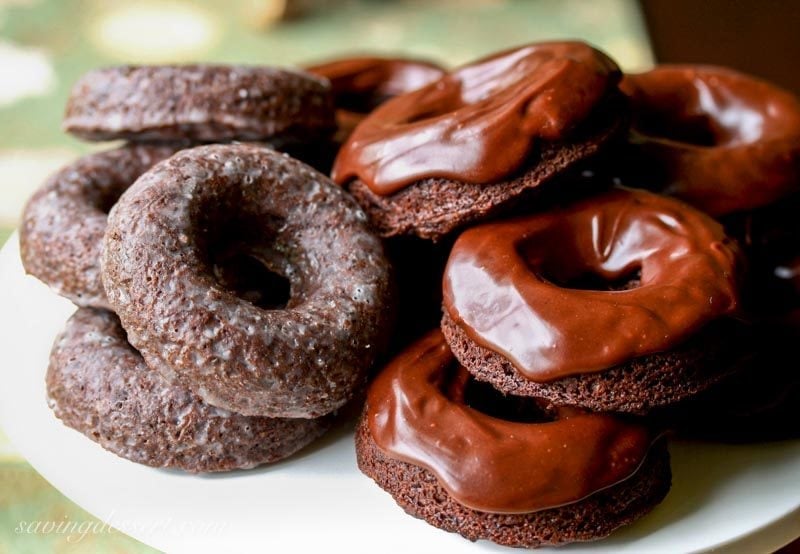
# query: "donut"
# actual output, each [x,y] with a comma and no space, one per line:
[303,347]
[63,223]
[199,103]
[470,144]
[101,387]
[623,302]
[525,477]
[722,141]
[361,84]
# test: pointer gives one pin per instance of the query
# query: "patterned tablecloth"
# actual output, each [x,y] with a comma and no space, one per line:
[46,44]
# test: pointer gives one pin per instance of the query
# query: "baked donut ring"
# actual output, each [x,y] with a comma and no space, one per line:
[469,460]
[622,302]
[199,103]
[61,235]
[726,142]
[100,386]
[170,232]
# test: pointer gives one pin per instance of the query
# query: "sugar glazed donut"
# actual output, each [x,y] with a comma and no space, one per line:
[100,386]
[62,229]
[723,141]
[199,103]
[467,145]
[622,302]
[525,476]
[164,271]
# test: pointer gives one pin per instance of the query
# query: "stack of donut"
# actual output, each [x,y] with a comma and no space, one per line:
[581,263]
[232,299]
[580,319]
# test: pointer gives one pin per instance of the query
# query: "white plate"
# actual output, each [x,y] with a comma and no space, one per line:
[745,498]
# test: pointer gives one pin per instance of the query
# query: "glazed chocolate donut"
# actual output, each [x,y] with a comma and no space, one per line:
[173,229]
[534,477]
[723,141]
[100,386]
[470,144]
[63,223]
[199,103]
[622,302]
[361,84]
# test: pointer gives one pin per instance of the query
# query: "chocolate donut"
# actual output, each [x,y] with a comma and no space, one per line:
[63,223]
[361,84]
[100,386]
[168,241]
[622,302]
[536,477]
[470,144]
[720,140]
[199,103]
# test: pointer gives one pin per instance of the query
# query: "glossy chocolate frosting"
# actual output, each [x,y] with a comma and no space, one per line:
[479,123]
[660,271]
[725,141]
[360,84]
[416,413]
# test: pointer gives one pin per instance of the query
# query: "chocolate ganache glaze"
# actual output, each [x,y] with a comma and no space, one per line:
[416,412]
[480,122]
[726,142]
[514,286]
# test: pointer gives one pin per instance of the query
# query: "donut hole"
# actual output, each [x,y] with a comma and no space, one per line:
[107,197]
[360,102]
[245,275]
[699,130]
[594,281]
[705,109]
[243,255]
[486,399]
[607,266]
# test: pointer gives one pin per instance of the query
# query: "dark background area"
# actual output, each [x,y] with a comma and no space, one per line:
[757,37]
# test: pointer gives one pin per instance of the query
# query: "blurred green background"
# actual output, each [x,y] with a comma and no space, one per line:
[46,44]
